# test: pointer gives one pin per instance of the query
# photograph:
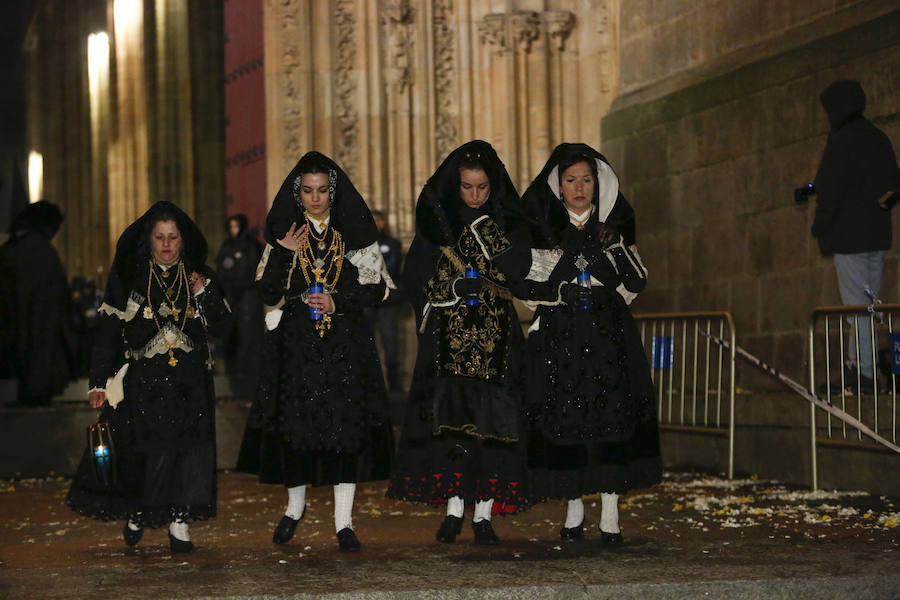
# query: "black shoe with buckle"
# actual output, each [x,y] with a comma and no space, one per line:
[612,540]
[179,546]
[450,528]
[572,534]
[484,533]
[347,540]
[284,531]
[132,536]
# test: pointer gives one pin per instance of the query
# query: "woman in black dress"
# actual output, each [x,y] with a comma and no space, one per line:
[152,341]
[589,392]
[462,437]
[320,415]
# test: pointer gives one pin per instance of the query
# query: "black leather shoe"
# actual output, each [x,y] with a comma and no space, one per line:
[131,536]
[347,540]
[613,540]
[484,533]
[284,531]
[180,546]
[450,528]
[572,534]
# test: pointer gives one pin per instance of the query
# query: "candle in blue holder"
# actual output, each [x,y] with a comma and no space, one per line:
[584,281]
[102,462]
[472,298]
[315,288]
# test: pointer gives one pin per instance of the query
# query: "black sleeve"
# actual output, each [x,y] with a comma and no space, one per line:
[418,269]
[273,283]
[108,352]
[631,272]
[351,295]
[213,307]
[829,183]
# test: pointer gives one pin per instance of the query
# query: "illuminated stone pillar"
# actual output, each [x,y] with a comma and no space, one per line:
[129,185]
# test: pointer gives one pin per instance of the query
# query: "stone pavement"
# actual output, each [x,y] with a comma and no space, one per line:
[691,536]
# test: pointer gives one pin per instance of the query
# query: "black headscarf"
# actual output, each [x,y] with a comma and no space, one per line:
[439,205]
[843,100]
[544,207]
[133,250]
[242,224]
[349,213]
[41,217]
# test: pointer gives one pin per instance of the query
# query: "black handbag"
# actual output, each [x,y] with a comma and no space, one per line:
[102,451]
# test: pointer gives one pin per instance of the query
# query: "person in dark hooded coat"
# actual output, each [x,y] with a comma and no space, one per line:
[37,339]
[320,415]
[462,439]
[858,167]
[151,374]
[589,393]
[236,266]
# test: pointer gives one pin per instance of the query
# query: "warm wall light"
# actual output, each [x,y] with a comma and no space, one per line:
[98,61]
[126,13]
[35,176]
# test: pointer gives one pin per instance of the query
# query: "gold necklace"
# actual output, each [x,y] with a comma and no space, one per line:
[181,275]
[169,289]
[580,223]
[311,229]
[315,270]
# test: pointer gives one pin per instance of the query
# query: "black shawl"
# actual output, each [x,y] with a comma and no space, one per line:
[544,207]
[438,208]
[133,251]
[349,213]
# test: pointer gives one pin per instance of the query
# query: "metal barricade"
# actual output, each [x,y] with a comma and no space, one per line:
[828,348]
[693,376]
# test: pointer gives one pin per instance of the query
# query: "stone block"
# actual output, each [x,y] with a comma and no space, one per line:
[654,299]
[653,205]
[680,258]
[786,300]
[646,154]
[745,304]
[711,255]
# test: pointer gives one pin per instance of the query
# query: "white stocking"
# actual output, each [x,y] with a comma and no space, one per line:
[609,513]
[133,526]
[455,507]
[296,502]
[179,529]
[343,505]
[482,510]
[574,513]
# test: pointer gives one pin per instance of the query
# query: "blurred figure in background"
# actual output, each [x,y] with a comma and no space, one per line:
[386,316]
[86,300]
[236,266]
[36,337]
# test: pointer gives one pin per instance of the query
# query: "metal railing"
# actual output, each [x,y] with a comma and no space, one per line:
[828,349]
[693,376]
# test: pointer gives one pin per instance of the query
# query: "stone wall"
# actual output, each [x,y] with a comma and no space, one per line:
[710,146]
[388,88]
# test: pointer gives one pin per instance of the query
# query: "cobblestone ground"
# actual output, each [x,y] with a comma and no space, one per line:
[691,529]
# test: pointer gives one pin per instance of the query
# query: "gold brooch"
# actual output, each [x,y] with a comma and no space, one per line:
[148,312]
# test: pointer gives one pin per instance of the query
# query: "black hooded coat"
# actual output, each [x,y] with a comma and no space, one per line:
[164,427]
[236,265]
[462,435]
[320,414]
[589,394]
[37,340]
[857,168]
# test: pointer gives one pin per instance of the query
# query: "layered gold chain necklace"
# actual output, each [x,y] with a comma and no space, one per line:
[171,295]
[324,269]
